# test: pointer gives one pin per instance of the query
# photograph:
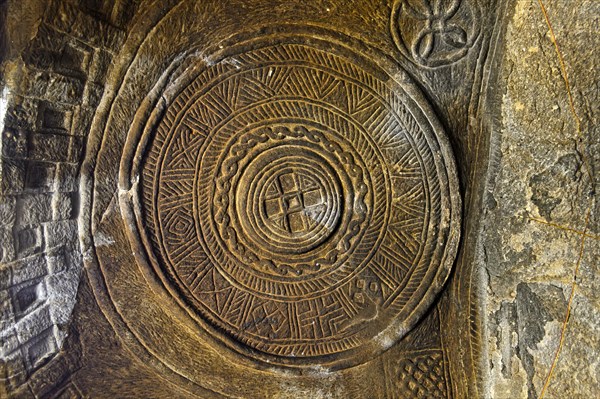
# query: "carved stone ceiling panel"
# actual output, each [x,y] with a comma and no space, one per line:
[272,198]
[303,207]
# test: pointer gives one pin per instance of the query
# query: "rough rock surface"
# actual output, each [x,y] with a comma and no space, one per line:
[541,221]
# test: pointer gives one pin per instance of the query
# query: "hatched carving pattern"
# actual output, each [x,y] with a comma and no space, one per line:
[422,375]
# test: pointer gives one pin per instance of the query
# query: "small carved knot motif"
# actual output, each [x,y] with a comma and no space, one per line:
[434,33]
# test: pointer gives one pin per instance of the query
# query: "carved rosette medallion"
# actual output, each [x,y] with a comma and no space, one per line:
[435,33]
[301,207]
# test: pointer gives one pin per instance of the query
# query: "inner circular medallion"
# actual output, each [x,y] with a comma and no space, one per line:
[326,206]
[288,200]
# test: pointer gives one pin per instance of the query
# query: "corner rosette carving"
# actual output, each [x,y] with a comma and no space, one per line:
[434,33]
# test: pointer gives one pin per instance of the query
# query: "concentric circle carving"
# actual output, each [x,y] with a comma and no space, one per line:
[289,202]
[297,204]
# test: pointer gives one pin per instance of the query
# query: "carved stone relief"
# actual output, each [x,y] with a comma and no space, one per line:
[288,202]
[255,199]
[258,209]
[434,33]
[296,203]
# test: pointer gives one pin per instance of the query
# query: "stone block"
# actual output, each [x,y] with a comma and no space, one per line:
[22,270]
[82,120]
[76,23]
[57,260]
[52,50]
[7,317]
[62,205]
[14,143]
[7,211]
[14,370]
[35,323]
[49,377]
[92,94]
[5,275]
[100,65]
[9,342]
[76,145]
[60,232]
[29,241]
[39,349]
[74,59]
[63,287]
[22,112]
[40,58]
[52,86]
[49,147]
[7,244]
[27,297]
[66,177]
[54,117]
[33,209]
[45,48]
[40,176]
[48,38]
[12,176]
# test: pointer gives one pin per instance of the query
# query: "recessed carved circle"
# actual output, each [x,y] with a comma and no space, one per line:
[296,204]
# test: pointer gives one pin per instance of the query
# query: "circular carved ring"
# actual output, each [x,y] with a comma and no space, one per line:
[435,33]
[299,205]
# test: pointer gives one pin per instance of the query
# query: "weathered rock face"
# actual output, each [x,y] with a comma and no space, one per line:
[540,230]
[289,199]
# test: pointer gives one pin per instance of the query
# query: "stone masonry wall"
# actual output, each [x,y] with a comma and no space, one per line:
[51,87]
